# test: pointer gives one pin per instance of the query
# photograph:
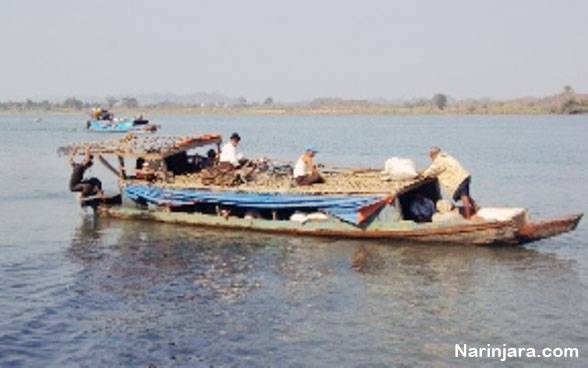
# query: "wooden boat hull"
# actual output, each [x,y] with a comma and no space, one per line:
[476,233]
[533,231]
[351,204]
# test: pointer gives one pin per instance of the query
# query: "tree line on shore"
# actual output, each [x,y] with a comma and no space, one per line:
[70,103]
[566,102]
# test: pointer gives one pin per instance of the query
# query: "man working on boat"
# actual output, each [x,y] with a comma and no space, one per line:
[305,172]
[422,208]
[454,179]
[210,159]
[228,156]
[89,187]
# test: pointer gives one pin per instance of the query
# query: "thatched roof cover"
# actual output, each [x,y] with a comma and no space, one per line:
[149,146]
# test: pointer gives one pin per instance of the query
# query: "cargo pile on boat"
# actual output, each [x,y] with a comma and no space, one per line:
[256,175]
[263,175]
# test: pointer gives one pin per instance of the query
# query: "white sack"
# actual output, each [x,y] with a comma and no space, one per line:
[397,168]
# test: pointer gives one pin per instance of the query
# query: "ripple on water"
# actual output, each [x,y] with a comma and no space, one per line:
[79,291]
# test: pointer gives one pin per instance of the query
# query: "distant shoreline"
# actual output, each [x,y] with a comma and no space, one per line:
[567,102]
[274,111]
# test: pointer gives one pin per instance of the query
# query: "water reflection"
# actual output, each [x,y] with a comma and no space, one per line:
[458,293]
[143,256]
[227,263]
[221,297]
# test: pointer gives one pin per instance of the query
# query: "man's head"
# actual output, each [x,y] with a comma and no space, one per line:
[433,152]
[235,139]
[95,184]
[211,154]
[310,150]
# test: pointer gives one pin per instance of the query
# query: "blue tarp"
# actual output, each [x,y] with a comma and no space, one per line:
[344,207]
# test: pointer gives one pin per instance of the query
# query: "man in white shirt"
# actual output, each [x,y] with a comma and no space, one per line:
[305,172]
[228,153]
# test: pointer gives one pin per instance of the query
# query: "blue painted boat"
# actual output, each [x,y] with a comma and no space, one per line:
[110,126]
[120,126]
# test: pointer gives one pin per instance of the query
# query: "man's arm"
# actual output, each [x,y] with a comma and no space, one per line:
[72,154]
[434,170]
[311,166]
[87,158]
[234,159]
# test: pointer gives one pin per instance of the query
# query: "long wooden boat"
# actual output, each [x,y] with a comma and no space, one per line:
[179,188]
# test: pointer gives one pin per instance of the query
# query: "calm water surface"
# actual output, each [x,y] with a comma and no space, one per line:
[82,291]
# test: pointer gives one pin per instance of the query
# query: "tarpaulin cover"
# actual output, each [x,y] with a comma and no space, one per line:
[345,207]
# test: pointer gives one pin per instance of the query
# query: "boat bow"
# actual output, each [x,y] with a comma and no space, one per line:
[537,230]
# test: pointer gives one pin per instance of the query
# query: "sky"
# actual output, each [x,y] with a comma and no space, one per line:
[293,50]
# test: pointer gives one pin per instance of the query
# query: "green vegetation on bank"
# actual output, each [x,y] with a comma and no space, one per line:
[567,102]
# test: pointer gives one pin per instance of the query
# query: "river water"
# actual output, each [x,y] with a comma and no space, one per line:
[81,291]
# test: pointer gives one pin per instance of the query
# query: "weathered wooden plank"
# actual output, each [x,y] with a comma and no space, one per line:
[484,233]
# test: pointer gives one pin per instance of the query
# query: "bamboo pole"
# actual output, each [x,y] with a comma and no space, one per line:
[110,167]
[121,163]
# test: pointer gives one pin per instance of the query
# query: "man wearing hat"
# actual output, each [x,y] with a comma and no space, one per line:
[228,153]
[305,172]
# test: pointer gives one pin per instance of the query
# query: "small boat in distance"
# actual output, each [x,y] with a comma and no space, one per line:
[168,179]
[104,121]
[121,126]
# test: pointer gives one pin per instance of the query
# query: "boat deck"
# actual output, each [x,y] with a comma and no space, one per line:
[336,182]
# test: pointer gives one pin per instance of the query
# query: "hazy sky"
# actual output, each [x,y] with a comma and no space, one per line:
[293,50]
